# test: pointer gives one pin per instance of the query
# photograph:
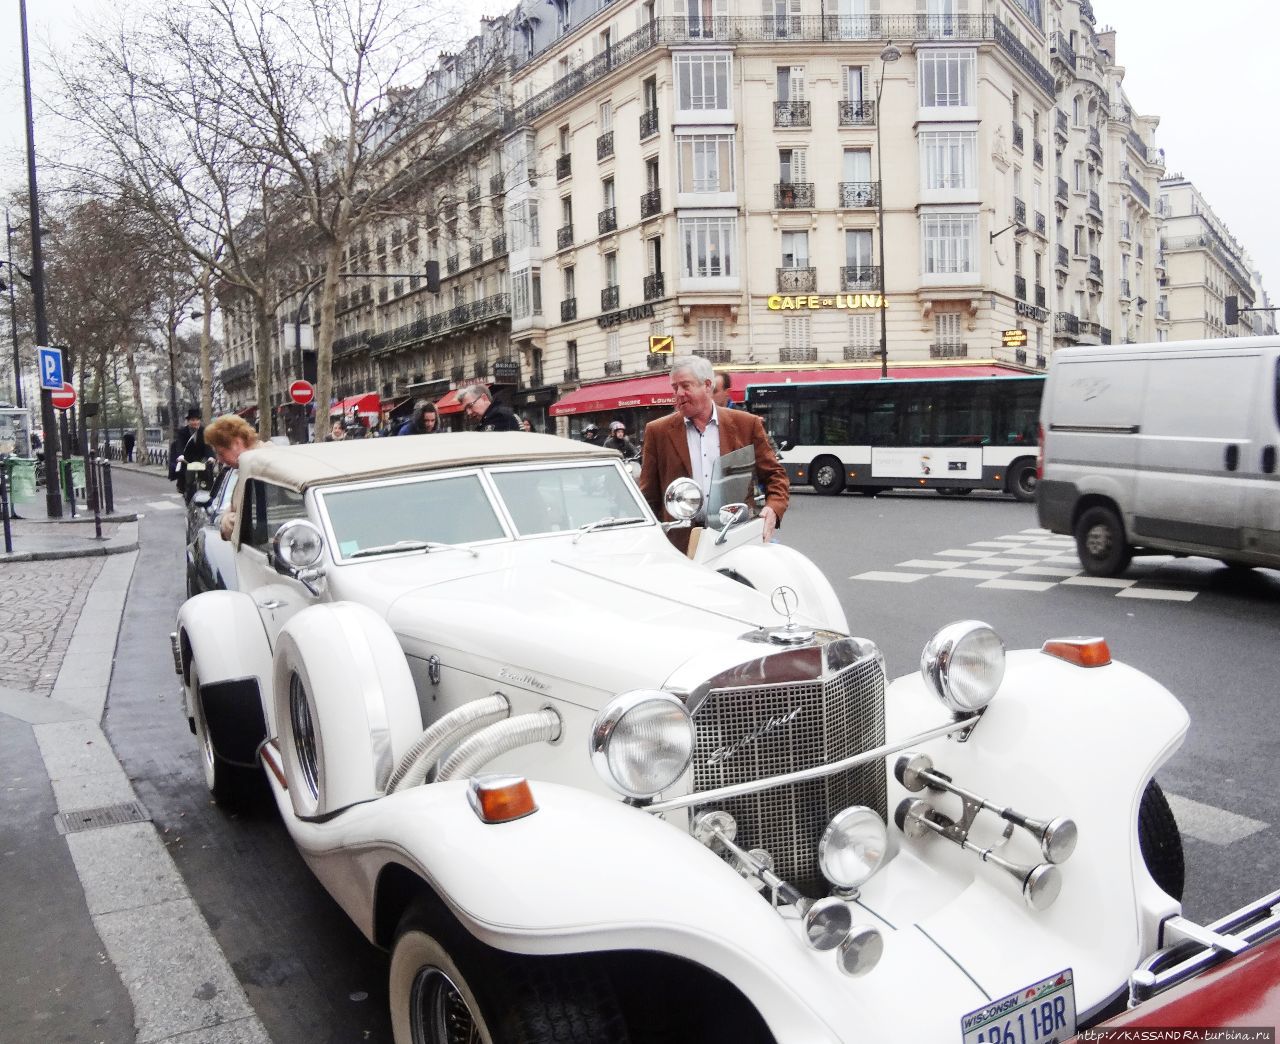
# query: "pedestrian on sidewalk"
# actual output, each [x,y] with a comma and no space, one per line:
[425,420]
[130,439]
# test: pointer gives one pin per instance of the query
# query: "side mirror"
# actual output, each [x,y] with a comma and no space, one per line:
[784,444]
[683,500]
[730,516]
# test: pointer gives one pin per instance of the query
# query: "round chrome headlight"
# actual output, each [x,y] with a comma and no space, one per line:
[853,846]
[964,664]
[298,544]
[641,742]
[683,499]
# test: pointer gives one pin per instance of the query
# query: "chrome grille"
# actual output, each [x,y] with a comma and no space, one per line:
[813,722]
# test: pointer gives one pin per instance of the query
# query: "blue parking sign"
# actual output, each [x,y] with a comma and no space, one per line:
[50,363]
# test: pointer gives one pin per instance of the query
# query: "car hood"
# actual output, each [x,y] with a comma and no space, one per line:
[610,623]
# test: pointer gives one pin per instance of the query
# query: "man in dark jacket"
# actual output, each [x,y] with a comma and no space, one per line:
[189,448]
[488,415]
[618,440]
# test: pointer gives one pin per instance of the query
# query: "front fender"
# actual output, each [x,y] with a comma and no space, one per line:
[768,566]
[223,632]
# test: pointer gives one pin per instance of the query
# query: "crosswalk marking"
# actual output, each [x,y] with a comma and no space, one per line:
[163,505]
[963,554]
[972,574]
[1020,585]
[1217,826]
[1041,570]
[1099,581]
[1158,594]
[889,577]
[926,563]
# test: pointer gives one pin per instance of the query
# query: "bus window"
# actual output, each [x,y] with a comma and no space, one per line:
[1018,412]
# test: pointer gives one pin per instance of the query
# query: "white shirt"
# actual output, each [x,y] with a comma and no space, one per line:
[704,450]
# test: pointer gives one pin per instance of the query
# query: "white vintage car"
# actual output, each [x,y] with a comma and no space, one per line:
[586,788]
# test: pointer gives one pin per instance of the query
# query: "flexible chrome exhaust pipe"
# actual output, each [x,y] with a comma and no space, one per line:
[477,751]
[441,734]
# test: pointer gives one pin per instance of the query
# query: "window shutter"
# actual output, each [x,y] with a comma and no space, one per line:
[798,166]
[797,83]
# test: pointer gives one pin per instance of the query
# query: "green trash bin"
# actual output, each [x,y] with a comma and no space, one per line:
[22,479]
[73,481]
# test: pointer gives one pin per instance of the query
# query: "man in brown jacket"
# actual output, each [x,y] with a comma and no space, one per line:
[687,444]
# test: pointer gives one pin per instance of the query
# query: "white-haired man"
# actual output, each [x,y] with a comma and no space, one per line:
[488,415]
[689,441]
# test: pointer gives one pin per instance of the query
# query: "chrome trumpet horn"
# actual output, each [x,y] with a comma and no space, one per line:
[1040,884]
[1057,837]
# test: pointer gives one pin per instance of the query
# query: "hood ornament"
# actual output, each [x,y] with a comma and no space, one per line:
[785,601]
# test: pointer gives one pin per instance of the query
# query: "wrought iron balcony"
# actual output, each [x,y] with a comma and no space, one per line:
[481,368]
[791,114]
[1067,323]
[458,373]
[657,361]
[1018,135]
[648,123]
[612,367]
[473,194]
[1124,289]
[653,286]
[948,351]
[715,356]
[1020,212]
[1040,296]
[860,353]
[604,145]
[793,195]
[451,264]
[1104,335]
[857,113]
[1060,121]
[797,280]
[1095,267]
[1042,224]
[860,277]
[1061,50]
[564,166]
[1062,189]
[1095,204]
[564,237]
[496,306]
[857,194]
[495,184]
[477,253]
[568,310]
[1037,153]
[499,244]
[1020,287]
[240,370]
[608,299]
[607,220]
[651,203]
[570,375]
[798,355]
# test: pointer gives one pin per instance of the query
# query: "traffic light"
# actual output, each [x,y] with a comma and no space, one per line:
[433,276]
[1233,310]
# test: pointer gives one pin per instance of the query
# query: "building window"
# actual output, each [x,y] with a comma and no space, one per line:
[857,248]
[707,246]
[706,163]
[795,333]
[853,79]
[947,329]
[607,195]
[522,225]
[613,348]
[790,79]
[570,283]
[795,249]
[702,82]
[710,335]
[606,117]
[948,159]
[791,166]
[521,294]
[863,332]
[611,268]
[949,243]
[946,78]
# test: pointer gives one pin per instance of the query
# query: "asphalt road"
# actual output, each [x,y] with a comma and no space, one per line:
[312,977]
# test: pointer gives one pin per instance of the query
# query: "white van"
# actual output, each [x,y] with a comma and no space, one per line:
[1163,448]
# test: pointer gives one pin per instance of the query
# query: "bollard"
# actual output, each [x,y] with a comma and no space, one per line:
[108,496]
[4,505]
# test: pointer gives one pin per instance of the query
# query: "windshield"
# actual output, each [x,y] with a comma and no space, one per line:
[557,499]
[449,510]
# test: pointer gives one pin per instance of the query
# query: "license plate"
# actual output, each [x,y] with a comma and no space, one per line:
[1042,1013]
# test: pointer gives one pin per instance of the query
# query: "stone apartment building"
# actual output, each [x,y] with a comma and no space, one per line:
[767,184]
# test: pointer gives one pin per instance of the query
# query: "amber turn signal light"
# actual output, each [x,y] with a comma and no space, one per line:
[500,799]
[1083,652]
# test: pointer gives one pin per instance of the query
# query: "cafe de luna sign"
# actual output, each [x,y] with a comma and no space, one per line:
[787,303]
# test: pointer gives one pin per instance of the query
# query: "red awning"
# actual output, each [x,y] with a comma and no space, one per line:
[448,403]
[366,405]
[391,405]
[247,411]
[655,390]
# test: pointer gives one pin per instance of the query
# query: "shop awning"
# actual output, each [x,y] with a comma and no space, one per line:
[247,411]
[448,403]
[655,390]
[366,405]
[391,405]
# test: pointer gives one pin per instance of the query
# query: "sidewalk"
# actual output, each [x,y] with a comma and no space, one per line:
[105,942]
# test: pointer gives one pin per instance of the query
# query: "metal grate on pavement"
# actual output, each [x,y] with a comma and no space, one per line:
[79,819]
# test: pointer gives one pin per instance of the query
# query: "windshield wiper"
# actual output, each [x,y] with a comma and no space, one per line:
[604,523]
[412,545]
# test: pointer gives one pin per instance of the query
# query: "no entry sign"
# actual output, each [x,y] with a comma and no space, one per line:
[65,397]
[301,392]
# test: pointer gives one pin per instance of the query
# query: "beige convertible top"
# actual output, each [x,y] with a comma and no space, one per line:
[311,464]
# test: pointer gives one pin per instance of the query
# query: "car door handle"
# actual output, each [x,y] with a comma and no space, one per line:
[271,603]
[1232,457]
[1268,460]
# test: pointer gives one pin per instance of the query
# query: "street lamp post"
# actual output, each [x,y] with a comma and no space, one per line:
[889,54]
[13,310]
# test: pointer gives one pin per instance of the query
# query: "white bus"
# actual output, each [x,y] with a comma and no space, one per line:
[952,434]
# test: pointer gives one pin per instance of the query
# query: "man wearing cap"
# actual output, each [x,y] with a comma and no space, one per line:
[618,440]
[488,415]
[688,442]
[189,448]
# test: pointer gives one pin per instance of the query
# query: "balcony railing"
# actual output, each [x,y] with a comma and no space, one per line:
[1095,203]
[570,375]
[564,166]
[797,280]
[607,220]
[499,244]
[651,203]
[1124,231]
[1067,323]
[451,264]
[604,145]
[1104,335]
[1018,136]
[654,286]
[477,254]
[715,356]
[1095,140]
[612,367]
[240,370]
[798,355]
[855,195]
[1020,287]
[564,237]
[857,113]
[568,309]
[1124,289]
[793,195]
[1060,117]
[948,351]
[495,184]
[648,123]
[1020,212]
[496,306]
[1095,267]
[860,277]
[608,299]
[1040,296]
[1042,224]
[791,114]
[1037,153]
[1062,189]
[458,373]
[860,353]
[1061,49]
[658,361]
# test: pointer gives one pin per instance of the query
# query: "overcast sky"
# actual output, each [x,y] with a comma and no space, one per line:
[1191,65]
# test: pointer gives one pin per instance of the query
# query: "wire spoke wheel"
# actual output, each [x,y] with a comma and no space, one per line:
[440,1013]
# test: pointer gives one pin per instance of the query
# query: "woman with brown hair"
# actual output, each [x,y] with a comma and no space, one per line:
[228,437]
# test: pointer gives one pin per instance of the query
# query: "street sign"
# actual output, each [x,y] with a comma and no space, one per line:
[49,361]
[301,392]
[661,345]
[1014,338]
[65,397]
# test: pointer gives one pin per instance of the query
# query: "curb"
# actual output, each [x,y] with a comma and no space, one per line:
[123,542]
